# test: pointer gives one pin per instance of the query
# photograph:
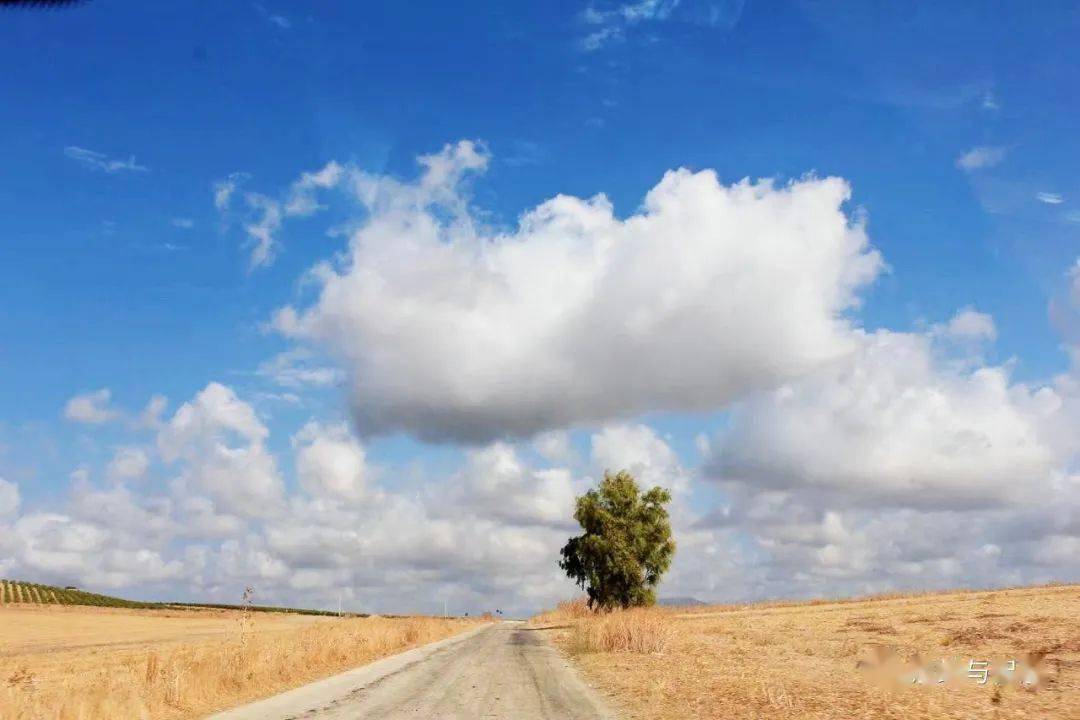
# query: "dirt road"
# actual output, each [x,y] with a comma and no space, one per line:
[503,670]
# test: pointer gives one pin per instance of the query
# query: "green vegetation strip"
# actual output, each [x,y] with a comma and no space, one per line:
[16,591]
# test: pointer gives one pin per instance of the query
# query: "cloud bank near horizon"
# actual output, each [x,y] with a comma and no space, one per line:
[849,461]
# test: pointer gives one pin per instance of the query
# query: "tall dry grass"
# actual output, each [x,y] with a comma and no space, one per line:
[641,630]
[638,630]
[192,679]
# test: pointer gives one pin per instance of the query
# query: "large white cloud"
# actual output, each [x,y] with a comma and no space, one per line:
[796,545]
[893,423]
[211,515]
[497,483]
[485,534]
[453,331]
[331,463]
[60,548]
[908,464]
[220,441]
[639,450]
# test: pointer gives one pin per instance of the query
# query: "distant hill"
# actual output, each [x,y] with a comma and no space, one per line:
[16,591]
[680,601]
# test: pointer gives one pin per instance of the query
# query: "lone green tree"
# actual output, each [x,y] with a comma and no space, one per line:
[626,545]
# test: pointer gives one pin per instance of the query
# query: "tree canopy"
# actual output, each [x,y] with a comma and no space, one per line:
[627,544]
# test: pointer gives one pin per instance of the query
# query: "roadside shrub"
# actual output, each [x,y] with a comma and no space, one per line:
[636,630]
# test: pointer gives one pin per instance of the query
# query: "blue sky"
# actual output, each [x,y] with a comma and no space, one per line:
[955,128]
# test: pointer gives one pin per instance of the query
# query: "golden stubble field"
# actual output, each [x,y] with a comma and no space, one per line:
[68,662]
[812,660]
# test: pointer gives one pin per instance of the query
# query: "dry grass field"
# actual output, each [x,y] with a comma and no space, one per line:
[812,660]
[70,663]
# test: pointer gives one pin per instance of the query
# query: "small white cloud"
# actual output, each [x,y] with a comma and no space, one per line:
[703,445]
[330,462]
[9,498]
[648,10]
[91,408]
[150,417]
[553,446]
[971,325]
[990,102]
[183,223]
[294,368]
[261,231]
[226,188]
[598,38]
[128,463]
[301,201]
[611,24]
[984,156]
[265,214]
[100,161]
[279,21]
[1049,198]
[593,16]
